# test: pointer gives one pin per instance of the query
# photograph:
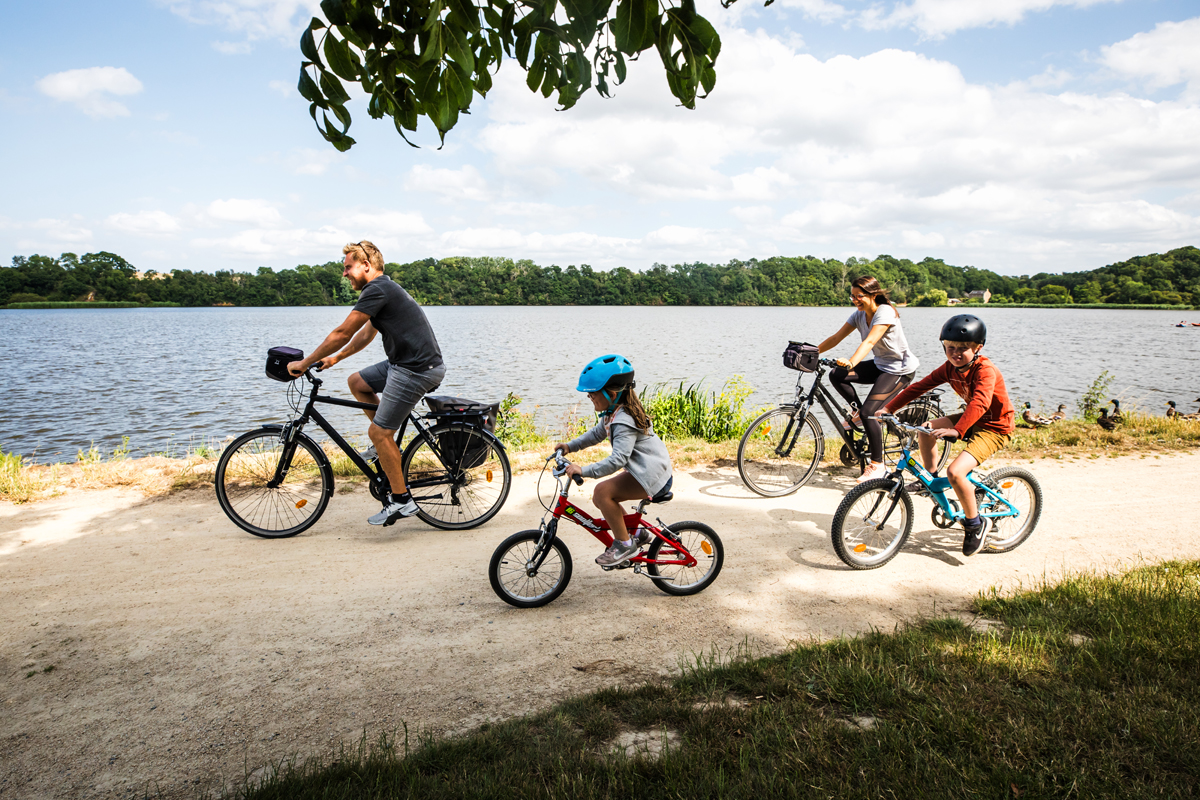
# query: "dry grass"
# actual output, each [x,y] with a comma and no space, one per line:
[23,482]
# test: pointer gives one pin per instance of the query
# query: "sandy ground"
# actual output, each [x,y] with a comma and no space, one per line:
[187,653]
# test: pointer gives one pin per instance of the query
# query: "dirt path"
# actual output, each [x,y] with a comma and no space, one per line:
[186,653]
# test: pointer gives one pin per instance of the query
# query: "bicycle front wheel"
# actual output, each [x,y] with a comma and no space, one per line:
[257,502]
[869,528]
[466,484]
[666,566]
[516,583]
[1021,488]
[778,454]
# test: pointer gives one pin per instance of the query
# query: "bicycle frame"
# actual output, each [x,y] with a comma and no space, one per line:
[600,529]
[376,475]
[937,487]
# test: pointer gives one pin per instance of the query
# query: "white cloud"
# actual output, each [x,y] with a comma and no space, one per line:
[465,183]
[283,87]
[937,18]
[89,89]
[308,161]
[256,19]
[1165,56]
[254,212]
[232,48]
[149,223]
[48,233]
[380,226]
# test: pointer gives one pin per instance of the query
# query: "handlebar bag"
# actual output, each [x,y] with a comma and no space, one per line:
[456,445]
[801,356]
[278,359]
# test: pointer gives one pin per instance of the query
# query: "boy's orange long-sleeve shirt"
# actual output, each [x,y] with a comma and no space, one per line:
[982,387]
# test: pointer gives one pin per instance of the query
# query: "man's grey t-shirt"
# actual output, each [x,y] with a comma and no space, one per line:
[891,352]
[408,338]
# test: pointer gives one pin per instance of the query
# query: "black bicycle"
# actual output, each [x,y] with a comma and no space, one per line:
[276,481]
[781,450]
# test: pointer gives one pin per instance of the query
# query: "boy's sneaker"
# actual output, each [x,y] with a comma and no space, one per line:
[643,537]
[616,553]
[393,510]
[974,536]
[875,469]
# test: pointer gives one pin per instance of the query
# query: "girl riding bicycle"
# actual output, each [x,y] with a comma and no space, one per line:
[891,369]
[641,457]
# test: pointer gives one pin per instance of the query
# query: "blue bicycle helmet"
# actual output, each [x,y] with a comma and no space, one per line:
[606,372]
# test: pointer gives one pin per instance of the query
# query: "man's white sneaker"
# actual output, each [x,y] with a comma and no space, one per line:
[392,511]
[369,454]
[875,469]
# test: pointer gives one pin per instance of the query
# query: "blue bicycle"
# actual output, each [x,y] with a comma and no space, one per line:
[874,519]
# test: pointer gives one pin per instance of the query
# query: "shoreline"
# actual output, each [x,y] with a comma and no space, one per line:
[166,648]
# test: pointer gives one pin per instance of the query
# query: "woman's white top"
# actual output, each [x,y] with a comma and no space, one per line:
[892,354]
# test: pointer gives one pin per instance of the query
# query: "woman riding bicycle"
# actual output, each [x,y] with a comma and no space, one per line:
[891,369]
[640,455]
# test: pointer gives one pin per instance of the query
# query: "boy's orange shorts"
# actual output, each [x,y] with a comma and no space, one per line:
[981,444]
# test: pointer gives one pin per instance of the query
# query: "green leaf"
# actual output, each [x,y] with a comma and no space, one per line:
[620,68]
[708,79]
[458,86]
[534,79]
[467,12]
[435,47]
[550,82]
[308,89]
[333,89]
[308,47]
[458,49]
[334,11]
[633,27]
[341,60]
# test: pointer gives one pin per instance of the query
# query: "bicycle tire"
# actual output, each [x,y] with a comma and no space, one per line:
[1006,534]
[242,479]
[916,415]
[853,537]
[764,471]
[670,577]
[456,496]
[510,577]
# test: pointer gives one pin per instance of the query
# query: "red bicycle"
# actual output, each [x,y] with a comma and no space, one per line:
[532,568]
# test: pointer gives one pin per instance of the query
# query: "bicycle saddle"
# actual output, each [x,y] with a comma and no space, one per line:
[662,497]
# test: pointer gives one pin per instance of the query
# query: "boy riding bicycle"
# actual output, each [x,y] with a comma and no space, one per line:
[985,425]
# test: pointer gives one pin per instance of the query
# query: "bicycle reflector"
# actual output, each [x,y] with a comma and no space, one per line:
[489,476]
[860,548]
[1006,485]
[706,547]
[301,503]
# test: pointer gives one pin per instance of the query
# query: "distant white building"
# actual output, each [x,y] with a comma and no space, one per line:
[984,295]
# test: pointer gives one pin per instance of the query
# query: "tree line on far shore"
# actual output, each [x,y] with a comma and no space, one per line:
[1171,278]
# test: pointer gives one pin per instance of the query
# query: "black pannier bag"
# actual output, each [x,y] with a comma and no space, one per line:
[801,356]
[278,359]
[473,449]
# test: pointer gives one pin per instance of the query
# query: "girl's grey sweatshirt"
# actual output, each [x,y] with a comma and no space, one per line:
[642,454]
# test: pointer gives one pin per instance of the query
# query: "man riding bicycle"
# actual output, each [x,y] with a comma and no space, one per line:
[413,367]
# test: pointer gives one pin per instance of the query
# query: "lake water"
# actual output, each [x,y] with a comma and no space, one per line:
[170,378]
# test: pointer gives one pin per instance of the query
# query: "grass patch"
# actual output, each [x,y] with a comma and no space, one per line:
[1088,690]
[1138,433]
[696,412]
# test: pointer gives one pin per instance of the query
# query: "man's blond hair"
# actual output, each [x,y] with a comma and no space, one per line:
[365,252]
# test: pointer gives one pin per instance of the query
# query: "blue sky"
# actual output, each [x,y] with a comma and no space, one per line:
[1014,135]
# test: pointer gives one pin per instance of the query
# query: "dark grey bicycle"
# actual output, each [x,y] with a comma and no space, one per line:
[276,481]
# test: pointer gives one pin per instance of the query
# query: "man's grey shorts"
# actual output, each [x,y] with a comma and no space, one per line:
[399,390]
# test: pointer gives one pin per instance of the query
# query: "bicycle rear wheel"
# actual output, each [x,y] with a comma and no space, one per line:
[510,574]
[862,537]
[915,415]
[1019,487]
[678,579]
[468,487]
[777,454]
[244,477]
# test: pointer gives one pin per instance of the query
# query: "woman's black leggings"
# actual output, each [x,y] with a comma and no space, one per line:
[884,386]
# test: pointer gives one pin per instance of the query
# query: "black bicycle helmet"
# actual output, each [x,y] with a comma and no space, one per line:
[964,328]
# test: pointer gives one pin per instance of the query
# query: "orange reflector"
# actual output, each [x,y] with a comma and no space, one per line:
[860,548]
[1006,485]
[766,430]
[706,547]
[489,476]
[301,503]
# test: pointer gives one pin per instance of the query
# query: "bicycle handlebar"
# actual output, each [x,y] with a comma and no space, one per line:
[560,468]
[894,420]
